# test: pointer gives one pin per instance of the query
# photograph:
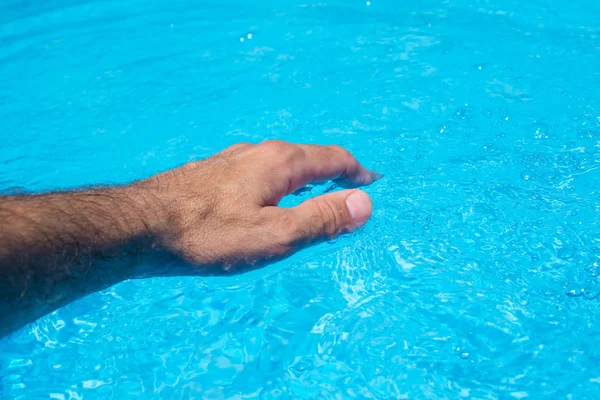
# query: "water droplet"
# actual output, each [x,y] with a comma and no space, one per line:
[241,39]
[462,113]
[587,134]
[249,36]
[539,129]
[574,213]
[368,3]
[488,114]
[566,252]
[525,176]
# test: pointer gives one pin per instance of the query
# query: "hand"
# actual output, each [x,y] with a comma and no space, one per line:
[60,246]
[223,210]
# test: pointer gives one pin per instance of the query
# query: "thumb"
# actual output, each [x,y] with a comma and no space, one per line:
[331,214]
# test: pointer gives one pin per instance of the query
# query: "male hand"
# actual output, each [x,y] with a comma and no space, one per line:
[223,210]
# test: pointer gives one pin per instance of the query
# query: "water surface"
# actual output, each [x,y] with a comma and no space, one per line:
[478,273]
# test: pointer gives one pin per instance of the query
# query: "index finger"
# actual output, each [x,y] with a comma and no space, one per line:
[322,163]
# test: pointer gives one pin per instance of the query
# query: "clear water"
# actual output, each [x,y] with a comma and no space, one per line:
[478,273]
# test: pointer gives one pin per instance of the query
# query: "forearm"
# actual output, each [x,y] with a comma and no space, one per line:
[57,247]
[218,215]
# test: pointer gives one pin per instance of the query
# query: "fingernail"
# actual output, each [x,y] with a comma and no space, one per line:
[376,176]
[360,207]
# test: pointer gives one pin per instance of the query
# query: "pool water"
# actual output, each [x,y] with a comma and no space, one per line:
[478,274]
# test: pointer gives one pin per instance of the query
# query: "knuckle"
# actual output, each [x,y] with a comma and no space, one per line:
[281,149]
[328,219]
[274,145]
[340,150]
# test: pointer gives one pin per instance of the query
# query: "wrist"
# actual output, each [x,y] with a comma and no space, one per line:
[156,229]
[146,217]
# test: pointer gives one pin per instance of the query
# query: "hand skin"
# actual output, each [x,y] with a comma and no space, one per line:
[218,215]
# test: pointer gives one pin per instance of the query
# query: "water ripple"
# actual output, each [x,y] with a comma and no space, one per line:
[477,275]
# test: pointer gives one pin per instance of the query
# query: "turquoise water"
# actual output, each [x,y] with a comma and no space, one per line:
[476,277]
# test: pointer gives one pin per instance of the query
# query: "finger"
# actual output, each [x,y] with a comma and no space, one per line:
[329,215]
[322,163]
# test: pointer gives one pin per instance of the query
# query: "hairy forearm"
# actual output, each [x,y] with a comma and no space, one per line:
[57,247]
[218,215]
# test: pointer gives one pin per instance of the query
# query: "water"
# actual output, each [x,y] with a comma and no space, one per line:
[478,273]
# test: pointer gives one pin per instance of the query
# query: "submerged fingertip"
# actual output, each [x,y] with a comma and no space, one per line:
[375,176]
